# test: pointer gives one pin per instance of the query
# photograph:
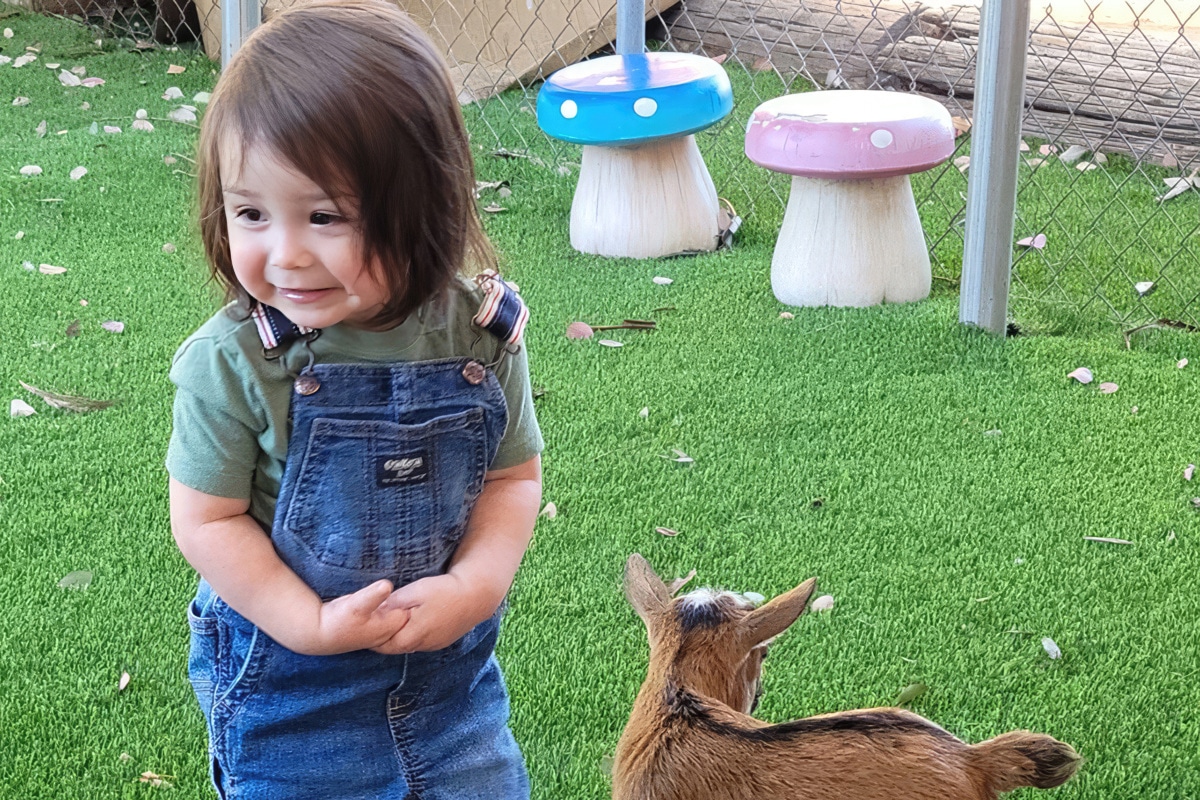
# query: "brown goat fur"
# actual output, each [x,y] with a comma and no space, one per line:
[690,735]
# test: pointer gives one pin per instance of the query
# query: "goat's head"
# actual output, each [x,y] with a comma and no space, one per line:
[713,642]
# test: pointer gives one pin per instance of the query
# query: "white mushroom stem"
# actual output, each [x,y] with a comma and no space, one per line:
[850,243]
[644,201]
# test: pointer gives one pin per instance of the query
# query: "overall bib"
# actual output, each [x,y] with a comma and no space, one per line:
[384,465]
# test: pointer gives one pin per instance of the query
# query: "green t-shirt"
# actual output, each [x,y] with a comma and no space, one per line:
[231,405]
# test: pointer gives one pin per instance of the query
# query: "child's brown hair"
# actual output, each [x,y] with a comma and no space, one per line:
[353,95]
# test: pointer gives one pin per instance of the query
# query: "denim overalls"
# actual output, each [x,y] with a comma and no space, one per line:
[384,464]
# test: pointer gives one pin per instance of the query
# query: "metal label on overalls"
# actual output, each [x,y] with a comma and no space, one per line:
[400,470]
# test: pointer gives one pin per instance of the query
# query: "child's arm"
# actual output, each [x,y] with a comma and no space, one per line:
[445,607]
[225,545]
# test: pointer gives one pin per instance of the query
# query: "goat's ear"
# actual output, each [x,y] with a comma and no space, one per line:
[774,617]
[643,588]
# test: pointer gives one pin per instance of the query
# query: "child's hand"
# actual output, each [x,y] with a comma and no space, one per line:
[443,607]
[357,621]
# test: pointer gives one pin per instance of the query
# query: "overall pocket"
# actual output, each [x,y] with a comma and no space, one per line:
[202,656]
[383,497]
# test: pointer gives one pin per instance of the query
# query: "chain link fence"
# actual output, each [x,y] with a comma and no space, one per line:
[1108,207]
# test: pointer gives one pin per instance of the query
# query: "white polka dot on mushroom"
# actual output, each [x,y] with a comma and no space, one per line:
[881,138]
[568,109]
[645,107]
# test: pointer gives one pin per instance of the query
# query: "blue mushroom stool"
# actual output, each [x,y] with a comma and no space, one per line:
[643,188]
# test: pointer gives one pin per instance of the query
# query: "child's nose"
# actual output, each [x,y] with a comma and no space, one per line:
[290,251]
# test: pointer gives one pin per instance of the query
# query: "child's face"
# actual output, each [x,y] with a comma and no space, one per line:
[291,247]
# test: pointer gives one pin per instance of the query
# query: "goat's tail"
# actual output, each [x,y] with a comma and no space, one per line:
[1021,758]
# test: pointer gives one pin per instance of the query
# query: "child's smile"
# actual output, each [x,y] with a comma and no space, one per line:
[291,245]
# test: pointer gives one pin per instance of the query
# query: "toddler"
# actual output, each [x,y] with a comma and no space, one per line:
[354,466]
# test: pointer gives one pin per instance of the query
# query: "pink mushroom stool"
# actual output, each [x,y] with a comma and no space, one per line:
[850,235]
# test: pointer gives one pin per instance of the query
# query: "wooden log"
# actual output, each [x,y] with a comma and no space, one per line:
[1120,91]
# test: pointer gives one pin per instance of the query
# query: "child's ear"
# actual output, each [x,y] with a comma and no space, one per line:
[774,617]
[644,589]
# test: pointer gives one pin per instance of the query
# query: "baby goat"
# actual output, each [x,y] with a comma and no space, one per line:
[691,736]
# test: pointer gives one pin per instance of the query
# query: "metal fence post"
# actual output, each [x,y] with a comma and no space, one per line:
[238,19]
[631,26]
[995,156]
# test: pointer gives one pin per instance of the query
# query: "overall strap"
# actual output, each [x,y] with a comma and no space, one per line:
[277,331]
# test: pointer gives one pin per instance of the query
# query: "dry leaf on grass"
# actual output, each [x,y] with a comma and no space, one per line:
[1144,288]
[1181,363]
[610,343]
[1051,648]
[1108,387]
[111,129]
[121,684]
[50,269]
[29,170]
[1082,374]
[823,603]
[183,114]
[962,162]
[19,408]
[40,130]
[175,69]
[168,248]
[961,125]
[68,402]
[579,330]
[78,173]
[113,326]
[143,125]
[666,531]
[173,93]
[1036,242]
[68,78]
[79,579]
[156,780]
[1106,540]
[786,315]
[662,281]
[21,101]
[645,412]
[549,511]
[492,208]
[91,83]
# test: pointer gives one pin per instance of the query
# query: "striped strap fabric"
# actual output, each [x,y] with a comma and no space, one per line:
[503,313]
[274,328]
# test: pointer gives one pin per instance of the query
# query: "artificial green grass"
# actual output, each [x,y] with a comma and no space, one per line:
[956,476]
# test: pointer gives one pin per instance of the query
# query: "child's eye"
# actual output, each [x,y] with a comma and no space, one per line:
[321,218]
[249,214]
